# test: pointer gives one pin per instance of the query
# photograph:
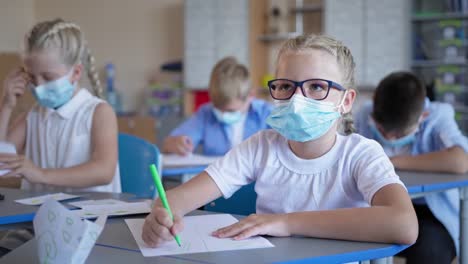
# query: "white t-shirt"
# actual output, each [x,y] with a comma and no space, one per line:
[238,131]
[347,176]
[62,138]
[398,151]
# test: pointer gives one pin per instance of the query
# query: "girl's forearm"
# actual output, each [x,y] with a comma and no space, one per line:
[5,115]
[96,174]
[374,224]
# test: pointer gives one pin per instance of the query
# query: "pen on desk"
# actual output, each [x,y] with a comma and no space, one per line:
[162,195]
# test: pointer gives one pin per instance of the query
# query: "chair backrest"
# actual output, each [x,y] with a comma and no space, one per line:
[135,156]
[242,202]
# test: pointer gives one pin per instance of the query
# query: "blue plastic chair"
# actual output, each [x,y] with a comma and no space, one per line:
[135,156]
[241,202]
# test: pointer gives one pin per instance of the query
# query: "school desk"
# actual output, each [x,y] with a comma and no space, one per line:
[177,171]
[423,183]
[116,245]
[12,213]
[417,183]
[174,165]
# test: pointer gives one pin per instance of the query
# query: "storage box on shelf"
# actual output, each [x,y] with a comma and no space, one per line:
[440,52]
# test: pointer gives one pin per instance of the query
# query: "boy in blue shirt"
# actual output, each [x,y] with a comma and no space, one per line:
[422,136]
[232,115]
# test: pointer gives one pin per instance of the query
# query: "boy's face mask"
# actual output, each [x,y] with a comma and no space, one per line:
[228,118]
[54,93]
[233,112]
[303,119]
[394,143]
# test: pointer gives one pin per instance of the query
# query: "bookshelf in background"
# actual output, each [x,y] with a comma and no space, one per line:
[440,52]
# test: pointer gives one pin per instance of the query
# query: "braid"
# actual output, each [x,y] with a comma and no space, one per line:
[54,33]
[348,124]
[92,74]
[68,39]
[58,27]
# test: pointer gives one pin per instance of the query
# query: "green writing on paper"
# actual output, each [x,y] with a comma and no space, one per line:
[66,236]
[51,216]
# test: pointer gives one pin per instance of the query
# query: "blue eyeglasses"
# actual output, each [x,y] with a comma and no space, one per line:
[318,89]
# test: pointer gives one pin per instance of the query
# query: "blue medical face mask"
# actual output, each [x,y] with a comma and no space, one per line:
[303,119]
[54,93]
[228,118]
[394,143]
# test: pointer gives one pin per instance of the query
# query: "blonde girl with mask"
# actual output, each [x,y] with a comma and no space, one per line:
[310,180]
[68,140]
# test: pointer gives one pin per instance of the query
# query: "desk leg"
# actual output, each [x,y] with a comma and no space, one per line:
[382,261]
[463,225]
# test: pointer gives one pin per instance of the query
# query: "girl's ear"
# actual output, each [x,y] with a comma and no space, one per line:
[76,74]
[350,96]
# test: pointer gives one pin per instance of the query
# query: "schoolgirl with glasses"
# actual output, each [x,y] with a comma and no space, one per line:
[310,180]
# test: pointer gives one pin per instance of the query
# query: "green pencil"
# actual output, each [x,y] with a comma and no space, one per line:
[162,195]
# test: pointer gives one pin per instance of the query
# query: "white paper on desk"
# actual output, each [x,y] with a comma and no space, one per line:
[6,147]
[173,160]
[63,237]
[93,211]
[82,204]
[38,200]
[196,237]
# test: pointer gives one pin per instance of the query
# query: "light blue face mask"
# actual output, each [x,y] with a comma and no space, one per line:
[394,143]
[228,118]
[54,93]
[303,119]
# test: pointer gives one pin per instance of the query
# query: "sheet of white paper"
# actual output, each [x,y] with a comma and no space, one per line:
[93,211]
[63,237]
[196,237]
[82,204]
[6,147]
[173,160]
[38,200]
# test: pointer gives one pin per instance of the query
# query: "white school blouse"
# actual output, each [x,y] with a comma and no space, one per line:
[62,138]
[346,176]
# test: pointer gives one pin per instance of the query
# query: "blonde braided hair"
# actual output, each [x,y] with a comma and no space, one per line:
[93,75]
[68,39]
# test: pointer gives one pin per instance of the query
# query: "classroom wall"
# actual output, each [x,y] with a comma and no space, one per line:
[214,29]
[16,17]
[377,32]
[137,36]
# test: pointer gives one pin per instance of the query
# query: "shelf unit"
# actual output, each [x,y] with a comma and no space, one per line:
[278,37]
[440,53]
[437,63]
[438,16]
[299,10]
[306,8]
[303,16]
